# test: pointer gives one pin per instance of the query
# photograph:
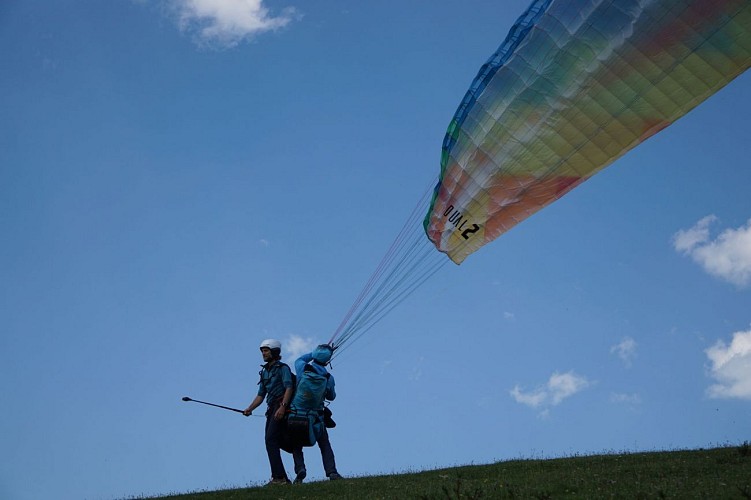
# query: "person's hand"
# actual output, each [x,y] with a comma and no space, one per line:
[279,413]
[247,412]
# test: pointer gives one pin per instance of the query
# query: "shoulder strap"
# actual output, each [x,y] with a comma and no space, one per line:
[271,370]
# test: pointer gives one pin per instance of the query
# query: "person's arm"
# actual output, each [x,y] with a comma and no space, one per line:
[253,405]
[301,362]
[280,412]
[289,391]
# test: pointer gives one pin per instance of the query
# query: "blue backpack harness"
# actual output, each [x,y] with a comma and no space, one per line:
[305,421]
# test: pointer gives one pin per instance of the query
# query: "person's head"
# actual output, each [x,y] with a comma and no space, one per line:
[271,350]
[322,354]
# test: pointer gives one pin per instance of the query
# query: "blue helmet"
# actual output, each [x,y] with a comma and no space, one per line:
[322,354]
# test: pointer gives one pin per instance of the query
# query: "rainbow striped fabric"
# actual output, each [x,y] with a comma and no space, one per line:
[575,85]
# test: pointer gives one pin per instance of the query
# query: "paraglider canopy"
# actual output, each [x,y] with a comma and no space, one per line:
[575,85]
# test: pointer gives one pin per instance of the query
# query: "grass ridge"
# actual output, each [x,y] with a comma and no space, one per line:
[713,473]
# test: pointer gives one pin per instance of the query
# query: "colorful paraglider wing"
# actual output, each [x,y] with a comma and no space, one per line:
[575,85]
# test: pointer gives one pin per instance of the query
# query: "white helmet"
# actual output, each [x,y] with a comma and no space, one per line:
[271,344]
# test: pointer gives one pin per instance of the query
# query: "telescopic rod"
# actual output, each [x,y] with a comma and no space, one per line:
[186,398]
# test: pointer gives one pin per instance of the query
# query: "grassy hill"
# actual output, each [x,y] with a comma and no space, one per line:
[715,473]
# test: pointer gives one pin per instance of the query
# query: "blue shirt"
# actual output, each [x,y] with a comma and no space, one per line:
[319,369]
[275,379]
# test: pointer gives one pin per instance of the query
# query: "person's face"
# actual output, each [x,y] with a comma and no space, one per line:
[266,353]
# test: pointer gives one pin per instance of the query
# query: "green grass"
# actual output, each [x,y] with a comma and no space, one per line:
[715,473]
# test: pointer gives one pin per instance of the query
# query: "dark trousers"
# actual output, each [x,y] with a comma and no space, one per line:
[327,454]
[275,434]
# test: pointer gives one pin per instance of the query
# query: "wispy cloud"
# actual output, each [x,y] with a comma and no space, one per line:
[623,398]
[731,367]
[686,240]
[264,242]
[559,386]
[728,256]
[295,345]
[226,23]
[417,370]
[626,350]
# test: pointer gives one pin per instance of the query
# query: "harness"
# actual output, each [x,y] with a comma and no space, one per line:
[265,381]
[305,421]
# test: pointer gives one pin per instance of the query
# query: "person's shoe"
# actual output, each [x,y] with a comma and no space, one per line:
[277,480]
[300,476]
[334,476]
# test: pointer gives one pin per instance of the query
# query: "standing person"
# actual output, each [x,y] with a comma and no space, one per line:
[309,400]
[277,386]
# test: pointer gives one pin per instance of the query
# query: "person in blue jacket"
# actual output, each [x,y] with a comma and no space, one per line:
[317,361]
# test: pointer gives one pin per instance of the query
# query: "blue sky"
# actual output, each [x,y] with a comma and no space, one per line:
[180,180]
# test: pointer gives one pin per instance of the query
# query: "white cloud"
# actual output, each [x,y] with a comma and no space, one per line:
[558,387]
[562,386]
[509,316]
[630,399]
[728,256]
[731,367]
[226,23]
[534,399]
[686,240]
[626,350]
[296,345]
[264,242]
